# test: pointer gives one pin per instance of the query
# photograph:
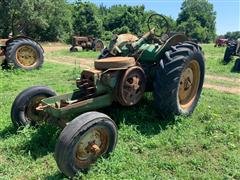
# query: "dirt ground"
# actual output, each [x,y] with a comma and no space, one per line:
[79,62]
[49,47]
[88,63]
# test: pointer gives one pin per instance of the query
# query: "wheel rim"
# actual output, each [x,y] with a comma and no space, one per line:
[98,46]
[132,87]
[92,144]
[31,113]
[188,85]
[26,56]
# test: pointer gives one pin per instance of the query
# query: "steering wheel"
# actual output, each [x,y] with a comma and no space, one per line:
[159,23]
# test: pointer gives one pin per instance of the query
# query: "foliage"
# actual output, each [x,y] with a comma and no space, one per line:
[232,35]
[197,18]
[41,19]
[48,20]
[85,19]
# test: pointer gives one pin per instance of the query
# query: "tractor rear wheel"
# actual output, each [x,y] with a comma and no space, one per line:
[24,53]
[227,55]
[179,80]
[83,141]
[98,45]
[24,110]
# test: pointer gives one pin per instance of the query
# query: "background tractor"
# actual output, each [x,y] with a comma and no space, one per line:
[160,62]
[86,43]
[233,49]
[21,52]
[220,42]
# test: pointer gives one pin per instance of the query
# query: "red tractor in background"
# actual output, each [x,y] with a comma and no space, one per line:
[220,42]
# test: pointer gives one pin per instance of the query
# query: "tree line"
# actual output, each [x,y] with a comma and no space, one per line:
[48,20]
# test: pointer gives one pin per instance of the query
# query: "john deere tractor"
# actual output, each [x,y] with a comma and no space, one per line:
[166,64]
[21,52]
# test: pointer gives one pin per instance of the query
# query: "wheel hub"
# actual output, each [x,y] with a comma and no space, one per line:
[131,87]
[189,83]
[32,113]
[26,56]
[93,143]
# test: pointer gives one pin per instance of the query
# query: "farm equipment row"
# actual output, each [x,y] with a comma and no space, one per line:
[166,64]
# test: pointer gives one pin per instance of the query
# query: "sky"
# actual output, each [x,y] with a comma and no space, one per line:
[228,11]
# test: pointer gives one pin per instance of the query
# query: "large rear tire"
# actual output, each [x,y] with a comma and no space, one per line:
[24,53]
[179,80]
[24,111]
[83,141]
[227,55]
[98,45]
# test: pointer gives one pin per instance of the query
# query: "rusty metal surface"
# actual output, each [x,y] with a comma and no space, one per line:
[2,56]
[86,42]
[3,42]
[98,45]
[93,143]
[131,86]
[114,62]
[127,38]
[189,84]
[26,56]
[33,112]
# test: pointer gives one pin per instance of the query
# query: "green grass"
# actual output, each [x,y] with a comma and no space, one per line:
[214,61]
[203,146]
[80,54]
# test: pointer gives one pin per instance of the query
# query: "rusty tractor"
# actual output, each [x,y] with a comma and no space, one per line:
[220,42]
[160,62]
[86,43]
[21,52]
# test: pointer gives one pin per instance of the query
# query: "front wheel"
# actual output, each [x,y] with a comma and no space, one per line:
[83,141]
[179,80]
[24,110]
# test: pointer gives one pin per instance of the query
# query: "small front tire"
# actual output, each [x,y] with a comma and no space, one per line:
[83,141]
[24,111]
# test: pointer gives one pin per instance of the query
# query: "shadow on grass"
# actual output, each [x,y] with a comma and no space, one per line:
[8,131]
[42,142]
[144,116]
[55,176]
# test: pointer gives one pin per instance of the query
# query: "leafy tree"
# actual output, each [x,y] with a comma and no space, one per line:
[85,20]
[122,16]
[197,18]
[232,35]
[40,19]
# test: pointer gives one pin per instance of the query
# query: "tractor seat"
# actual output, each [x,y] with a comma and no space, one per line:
[114,62]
